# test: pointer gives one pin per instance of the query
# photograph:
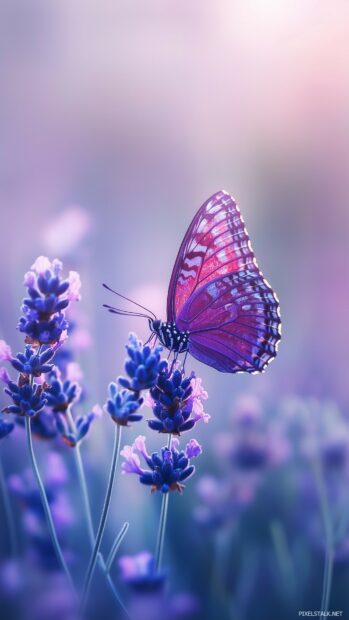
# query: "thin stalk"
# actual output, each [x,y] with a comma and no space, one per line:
[103,520]
[88,516]
[45,504]
[8,511]
[117,542]
[162,522]
[83,484]
[327,521]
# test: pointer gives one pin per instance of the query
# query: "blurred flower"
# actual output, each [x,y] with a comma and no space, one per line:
[222,500]
[67,230]
[28,399]
[74,372]
[25,489]
[122,405]
[31,362]
[43,319]
[6,427]
[143,366]
[43,426]
[139,572]
[176,402]
[168,469]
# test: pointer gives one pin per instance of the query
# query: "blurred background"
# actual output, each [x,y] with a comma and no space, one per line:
[118,119]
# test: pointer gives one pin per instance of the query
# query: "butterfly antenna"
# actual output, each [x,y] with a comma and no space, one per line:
[131,301]
[122,312]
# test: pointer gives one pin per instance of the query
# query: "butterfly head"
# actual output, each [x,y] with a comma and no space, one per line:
[169,335]
[154,326]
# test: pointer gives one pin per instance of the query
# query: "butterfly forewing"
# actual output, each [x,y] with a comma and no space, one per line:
[215,244]
[219,296]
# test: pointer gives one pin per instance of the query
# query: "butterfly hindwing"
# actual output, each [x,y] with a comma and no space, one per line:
[233,322]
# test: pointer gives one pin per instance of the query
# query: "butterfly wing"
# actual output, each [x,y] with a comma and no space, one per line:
[216,243]
[234,322]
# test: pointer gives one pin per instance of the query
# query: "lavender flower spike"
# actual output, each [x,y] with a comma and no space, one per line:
[167,469]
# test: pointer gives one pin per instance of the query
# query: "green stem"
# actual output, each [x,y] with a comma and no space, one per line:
[8,511]
[103,520]
[162,522]
[45,504]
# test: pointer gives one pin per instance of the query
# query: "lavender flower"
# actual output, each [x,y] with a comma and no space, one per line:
[139,572]
[122,405]
[143,365]
[168,469]
[61,394]
[31,362]
[43,319]
[176,402]
[82,426]
[28,400]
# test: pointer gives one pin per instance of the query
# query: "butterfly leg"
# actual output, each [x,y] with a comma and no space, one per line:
[150,339]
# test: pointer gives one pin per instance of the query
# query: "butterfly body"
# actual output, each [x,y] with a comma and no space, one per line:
[170,336]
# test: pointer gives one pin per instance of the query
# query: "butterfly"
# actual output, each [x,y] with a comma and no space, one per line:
[220,308]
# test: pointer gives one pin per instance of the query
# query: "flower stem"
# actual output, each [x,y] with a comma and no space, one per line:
[117,542]
[162,522]
[89,523]
[103,520]
[45,504]
[328,527]
[82,482]
[8,511]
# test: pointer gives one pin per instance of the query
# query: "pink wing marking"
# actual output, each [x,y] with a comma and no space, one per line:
[215,244]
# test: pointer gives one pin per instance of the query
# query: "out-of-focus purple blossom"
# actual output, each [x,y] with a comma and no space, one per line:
[139,572]
[61,394]
[25,489]
[247,410]
[223,500]
[28,400]
[68,229]
[74,372]
[168,469]
[31,362]
[122,405]
[142,367]
[82,423]
[176,402]
[43,426]
[43,319]
[6,426]
[5,351]
[256,441]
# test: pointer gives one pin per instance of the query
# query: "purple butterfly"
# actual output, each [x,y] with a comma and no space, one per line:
[220,308]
